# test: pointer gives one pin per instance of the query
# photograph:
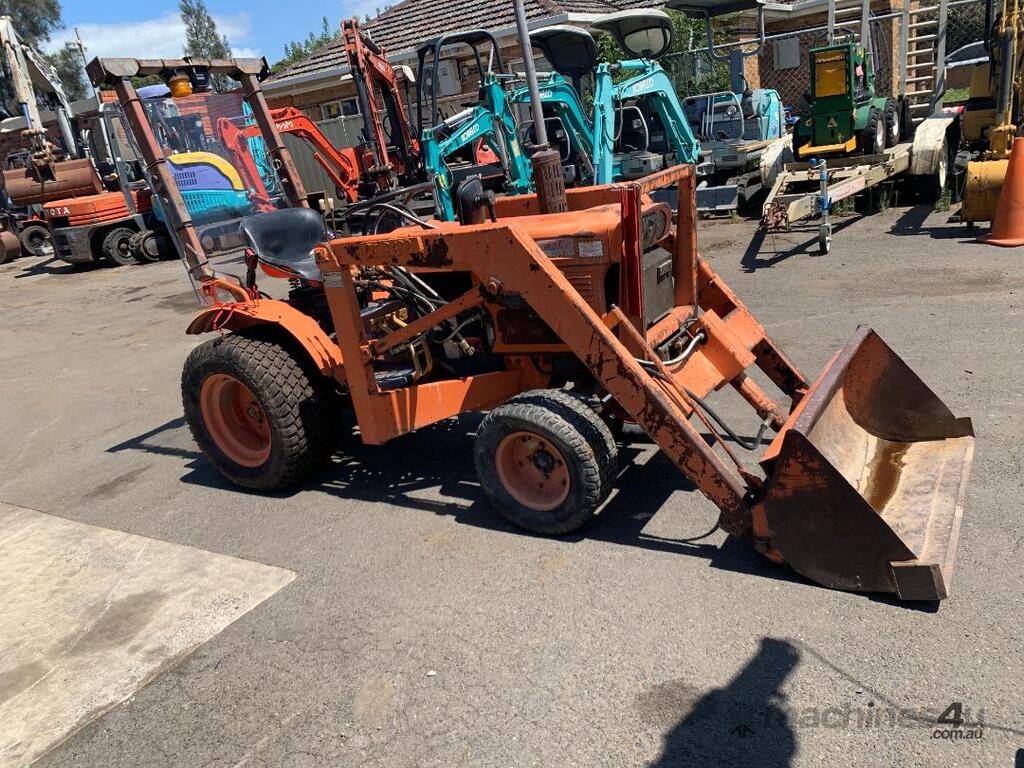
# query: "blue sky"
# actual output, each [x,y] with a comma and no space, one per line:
[152,28]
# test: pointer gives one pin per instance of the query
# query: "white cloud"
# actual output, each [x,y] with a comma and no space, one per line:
[159,38]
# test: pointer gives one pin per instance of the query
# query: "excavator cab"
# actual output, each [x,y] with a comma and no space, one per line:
[469,140]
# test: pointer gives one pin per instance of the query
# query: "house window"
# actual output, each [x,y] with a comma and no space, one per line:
[787,53]
[340,108]
[539,63]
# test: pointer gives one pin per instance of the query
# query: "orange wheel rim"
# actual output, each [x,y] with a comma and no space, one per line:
[532,470]
[235,420]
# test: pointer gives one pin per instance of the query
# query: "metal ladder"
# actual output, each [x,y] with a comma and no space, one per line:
[922,50]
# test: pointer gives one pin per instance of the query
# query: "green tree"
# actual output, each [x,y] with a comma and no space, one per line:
[67,63]
[33,19]
[202,39]
[300,49]
[690,73]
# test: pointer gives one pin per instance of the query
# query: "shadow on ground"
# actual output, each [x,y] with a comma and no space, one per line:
[912,222]
[33,267]
[744,723]
[766,249]
[432,470]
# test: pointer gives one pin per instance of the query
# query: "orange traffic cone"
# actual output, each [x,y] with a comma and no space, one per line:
[1008,220]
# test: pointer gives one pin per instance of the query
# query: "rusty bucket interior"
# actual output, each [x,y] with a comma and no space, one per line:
[866,481]
[35,186]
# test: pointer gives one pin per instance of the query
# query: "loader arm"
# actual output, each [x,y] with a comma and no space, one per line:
[864,482]
[651,82]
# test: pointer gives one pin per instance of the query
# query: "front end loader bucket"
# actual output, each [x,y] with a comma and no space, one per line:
[866,480]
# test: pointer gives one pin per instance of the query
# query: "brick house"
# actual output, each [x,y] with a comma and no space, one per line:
[319,84]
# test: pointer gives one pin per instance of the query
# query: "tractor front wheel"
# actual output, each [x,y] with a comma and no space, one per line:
[546,461]
[263,417]
[871,139]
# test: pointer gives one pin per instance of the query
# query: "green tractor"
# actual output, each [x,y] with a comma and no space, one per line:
[845,115]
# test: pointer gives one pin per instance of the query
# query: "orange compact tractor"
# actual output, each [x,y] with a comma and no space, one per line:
[560,326]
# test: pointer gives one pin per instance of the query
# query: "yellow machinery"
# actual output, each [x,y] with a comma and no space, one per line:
[992,114]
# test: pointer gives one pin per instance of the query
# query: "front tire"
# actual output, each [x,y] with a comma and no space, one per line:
[892,123]
[262,416]
[117,247]
[35,238]
[546,461]
[871,139]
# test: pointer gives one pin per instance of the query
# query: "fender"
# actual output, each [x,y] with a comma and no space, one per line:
[234,316]
[930,141]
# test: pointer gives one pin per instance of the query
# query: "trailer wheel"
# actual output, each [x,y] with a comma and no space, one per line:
[892,123]
[929,187]
[35,238]
[263,418]
[824,240]
[117,247]
[546,461]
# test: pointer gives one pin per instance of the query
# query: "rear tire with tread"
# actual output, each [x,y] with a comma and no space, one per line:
[580,436]
[871,140]
[36,240]
[892,123]
[302,407]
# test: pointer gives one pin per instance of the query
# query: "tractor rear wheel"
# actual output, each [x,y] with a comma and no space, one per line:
[871,139]
[117,247]
[263,417]
[892,123]
[546,461]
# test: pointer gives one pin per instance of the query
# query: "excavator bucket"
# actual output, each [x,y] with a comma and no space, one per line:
[68,178]
[866,480]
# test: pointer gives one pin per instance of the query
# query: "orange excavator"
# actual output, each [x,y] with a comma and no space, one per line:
[393,153]
[388,157]
[343,166]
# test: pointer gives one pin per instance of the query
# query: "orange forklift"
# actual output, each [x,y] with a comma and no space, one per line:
[561,315]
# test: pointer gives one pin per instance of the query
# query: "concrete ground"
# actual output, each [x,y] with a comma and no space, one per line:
[422,631]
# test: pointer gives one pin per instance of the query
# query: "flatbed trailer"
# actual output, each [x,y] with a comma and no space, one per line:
[805,190]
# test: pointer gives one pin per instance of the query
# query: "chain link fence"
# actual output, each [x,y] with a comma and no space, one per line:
[783,63]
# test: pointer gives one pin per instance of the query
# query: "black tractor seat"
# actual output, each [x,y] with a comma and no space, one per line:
[285,239]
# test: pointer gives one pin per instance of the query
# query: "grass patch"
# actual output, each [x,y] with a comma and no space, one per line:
[956,95]
[943,203]
[844,207]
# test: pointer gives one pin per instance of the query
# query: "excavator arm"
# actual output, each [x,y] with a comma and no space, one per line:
[236,141]
[491,122]
[341,165]
[650,82]
[370,67]
[558,94]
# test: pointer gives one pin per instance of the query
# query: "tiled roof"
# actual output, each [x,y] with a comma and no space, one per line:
[406,25]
